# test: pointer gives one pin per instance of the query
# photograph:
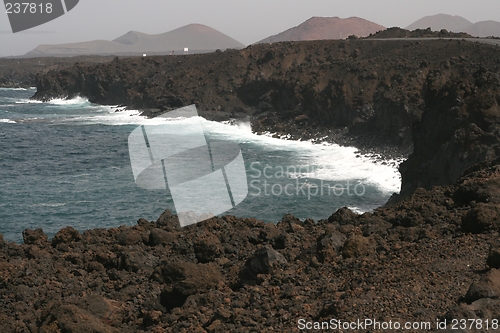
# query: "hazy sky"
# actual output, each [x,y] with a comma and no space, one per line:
[247,21]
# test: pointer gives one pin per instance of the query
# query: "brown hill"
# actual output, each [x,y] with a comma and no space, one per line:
[484,29]
[197,37]
[441,21]
[317,28]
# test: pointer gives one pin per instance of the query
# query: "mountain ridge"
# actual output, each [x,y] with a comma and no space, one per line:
[197,38]
[319,28]
[457,24]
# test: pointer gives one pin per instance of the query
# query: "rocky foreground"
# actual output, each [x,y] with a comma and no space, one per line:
[434,256]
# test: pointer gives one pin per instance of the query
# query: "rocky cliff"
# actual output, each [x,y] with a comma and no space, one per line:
[440,96]
[21,73]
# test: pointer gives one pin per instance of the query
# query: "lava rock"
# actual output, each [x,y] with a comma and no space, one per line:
[357,246]
[493,259]
[185,279]
[487,287]
[161,237]
[330,246]
[36,237]
[207,248]
[342,216]
[168,221]
[481,218]
[131,237]
[66,236]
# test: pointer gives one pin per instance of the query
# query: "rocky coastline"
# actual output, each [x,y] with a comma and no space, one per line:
[430,255]
[433,101]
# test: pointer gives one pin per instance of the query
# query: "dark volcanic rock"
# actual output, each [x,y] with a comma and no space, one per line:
[71,318]
[358,245]
[264,260]
[459,127]
[168,221]
[66,236]
[18,72]
[494,256]
[185,279]
[160,236]
[329,247]
[482,217]
[487,287]
[37,237]
[207,247]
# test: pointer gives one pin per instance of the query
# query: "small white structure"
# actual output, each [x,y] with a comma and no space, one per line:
[144,54]
[186,50]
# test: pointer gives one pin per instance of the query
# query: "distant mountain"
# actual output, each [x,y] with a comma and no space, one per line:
[317,28]
[196,37]
[484,29]
[441,21]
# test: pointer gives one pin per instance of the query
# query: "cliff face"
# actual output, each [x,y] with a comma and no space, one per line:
[21,73]
[460,127]
[440,96]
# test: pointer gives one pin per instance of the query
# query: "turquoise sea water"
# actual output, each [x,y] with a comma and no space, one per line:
[67,162]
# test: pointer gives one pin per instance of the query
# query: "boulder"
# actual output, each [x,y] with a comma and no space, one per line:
[36,237]
[358,246]
[184,279]
[487,287]
[66,236]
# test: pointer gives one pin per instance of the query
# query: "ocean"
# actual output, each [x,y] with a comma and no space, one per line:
[66,163]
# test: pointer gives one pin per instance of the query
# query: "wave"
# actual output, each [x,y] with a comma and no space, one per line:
[73,101]
[49,204]
[27,101]
[325,161]
[14,89]
[8,121]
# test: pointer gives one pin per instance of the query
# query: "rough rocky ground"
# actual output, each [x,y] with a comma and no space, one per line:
[433,256]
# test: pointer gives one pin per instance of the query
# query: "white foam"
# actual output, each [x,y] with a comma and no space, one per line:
[74,101]
[8,121]
[109,116]
[357,210]
[49,204]
[15,89]
[27,101]
[343,163]
[329,162]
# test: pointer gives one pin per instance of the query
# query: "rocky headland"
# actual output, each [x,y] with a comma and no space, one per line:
[21,72]
[431,255]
